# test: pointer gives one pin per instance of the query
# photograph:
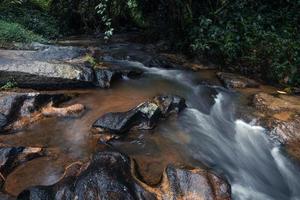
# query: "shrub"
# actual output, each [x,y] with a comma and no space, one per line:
[31,17]
[252,39]
[13,32]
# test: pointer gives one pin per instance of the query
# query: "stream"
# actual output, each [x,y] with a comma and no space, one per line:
[208,133]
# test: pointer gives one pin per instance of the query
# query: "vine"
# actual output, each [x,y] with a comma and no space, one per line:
[103,10]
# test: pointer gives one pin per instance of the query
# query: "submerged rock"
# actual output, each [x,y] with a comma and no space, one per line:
[231,80]
[12,157]
[145,116]
[68,111]
[111,176]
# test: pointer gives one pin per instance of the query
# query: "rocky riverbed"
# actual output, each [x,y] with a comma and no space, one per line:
[87,119]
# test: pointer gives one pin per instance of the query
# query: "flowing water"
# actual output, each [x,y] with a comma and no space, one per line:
[208,133]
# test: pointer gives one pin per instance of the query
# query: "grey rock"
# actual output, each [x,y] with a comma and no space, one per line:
[3,121]
[58,53]
[111,176]
[16,105]
[144,117]
[39,74]
[106,76]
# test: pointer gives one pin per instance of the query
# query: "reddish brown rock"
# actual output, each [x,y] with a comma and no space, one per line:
[281,115]
[68,111]
[231,80]
[270,103]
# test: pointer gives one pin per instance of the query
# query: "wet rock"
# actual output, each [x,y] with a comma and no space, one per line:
[68,111]
[105,76]
[111,175]
[108,177]
[22,109]
[285,130]
[40,74]
[194,184]
[162,62]
[58,53]
[169,104]
[11,157]
[25,46]
[3,121]
[270,103]
[281,116]
[231,80]
[6,196]
[145,116]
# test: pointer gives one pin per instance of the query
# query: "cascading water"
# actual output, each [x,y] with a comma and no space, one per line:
[254,165]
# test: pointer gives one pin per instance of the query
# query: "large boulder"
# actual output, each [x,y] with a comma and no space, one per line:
[144,117]
[40,74]
[231,80]
[111,176]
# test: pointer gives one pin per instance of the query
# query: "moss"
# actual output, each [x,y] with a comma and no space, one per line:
[91,60]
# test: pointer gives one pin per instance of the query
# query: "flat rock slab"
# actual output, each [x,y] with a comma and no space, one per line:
[231,80]
[45,68]
[39,74]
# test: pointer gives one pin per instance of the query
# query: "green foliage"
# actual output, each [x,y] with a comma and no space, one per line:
[102,10]
[9,85]
[13,32]
[253,39]
[91,60]
[27,21]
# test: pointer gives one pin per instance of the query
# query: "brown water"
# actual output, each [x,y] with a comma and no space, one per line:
[208,132]
[70,139]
